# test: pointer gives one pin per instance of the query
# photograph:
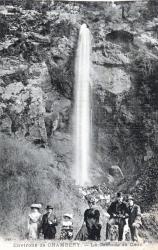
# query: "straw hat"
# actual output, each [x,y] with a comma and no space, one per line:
[36,206]
[90,199]
[130,197]
[68,215]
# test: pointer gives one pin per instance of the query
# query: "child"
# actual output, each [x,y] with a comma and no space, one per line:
[67,228]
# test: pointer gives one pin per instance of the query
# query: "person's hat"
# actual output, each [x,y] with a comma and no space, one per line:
[90,199]
[119,194]
[36,206]
[49,207]
[68,215]
[130,197]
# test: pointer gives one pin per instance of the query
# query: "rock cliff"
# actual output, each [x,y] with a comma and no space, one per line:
[37,48]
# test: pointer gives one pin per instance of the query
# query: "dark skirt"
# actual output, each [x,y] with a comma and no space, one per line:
[50,232]
[94,232]
[86,233]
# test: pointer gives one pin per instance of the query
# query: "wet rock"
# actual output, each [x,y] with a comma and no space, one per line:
[11,70]
[61,80]
[26,108]
[52,122]
[30,15]
[116,171]
[146,39]
[12,91]
[113,79]
[109,54]
[115,175]
[38,74]
[120,36]
[7,44]
[58,112]
[40,39]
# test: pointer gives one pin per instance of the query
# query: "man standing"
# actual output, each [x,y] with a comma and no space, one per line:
[49,223]
[118,213]
[134,220]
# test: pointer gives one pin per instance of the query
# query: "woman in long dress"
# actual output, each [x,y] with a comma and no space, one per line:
[91,227]
[34,222]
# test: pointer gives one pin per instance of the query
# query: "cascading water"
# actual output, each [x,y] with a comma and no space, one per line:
[82,122]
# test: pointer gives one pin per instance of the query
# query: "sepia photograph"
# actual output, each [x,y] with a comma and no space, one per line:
[79,124]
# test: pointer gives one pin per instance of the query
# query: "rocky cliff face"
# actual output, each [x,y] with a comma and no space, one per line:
[37,77]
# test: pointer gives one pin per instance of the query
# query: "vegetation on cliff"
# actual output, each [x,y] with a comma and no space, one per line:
[29,175]
[37,47]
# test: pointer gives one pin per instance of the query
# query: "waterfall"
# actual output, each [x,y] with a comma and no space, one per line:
[82,108]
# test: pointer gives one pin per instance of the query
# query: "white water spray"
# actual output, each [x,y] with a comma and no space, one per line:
[82,108]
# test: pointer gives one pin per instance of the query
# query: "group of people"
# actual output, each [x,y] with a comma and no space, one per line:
[46,224]
[120,212]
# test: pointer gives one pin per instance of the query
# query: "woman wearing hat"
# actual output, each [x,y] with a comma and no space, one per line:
[34,221]
[49,223]
[91,228]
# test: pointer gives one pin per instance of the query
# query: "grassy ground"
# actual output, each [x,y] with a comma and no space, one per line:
[29,175]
